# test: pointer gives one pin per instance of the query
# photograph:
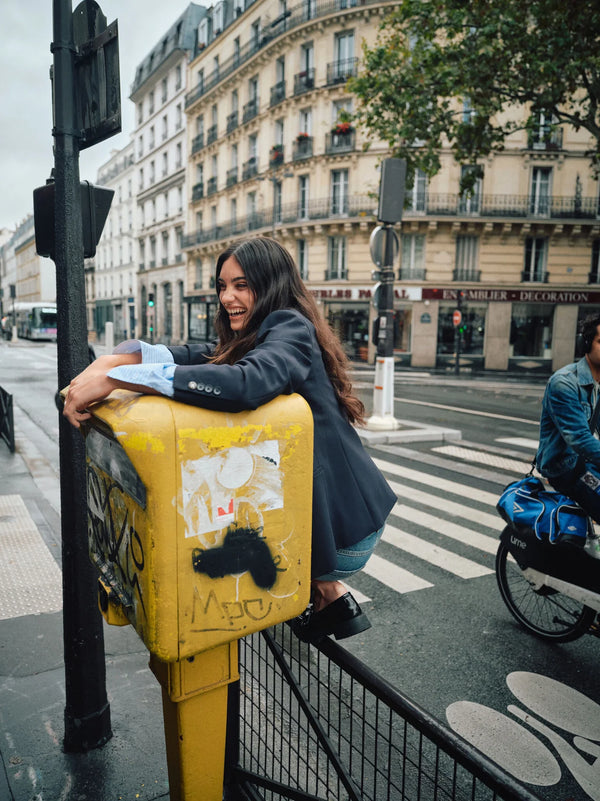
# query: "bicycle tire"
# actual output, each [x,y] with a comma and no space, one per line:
[546,613]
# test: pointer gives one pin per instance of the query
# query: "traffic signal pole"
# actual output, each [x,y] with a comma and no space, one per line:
[87,712]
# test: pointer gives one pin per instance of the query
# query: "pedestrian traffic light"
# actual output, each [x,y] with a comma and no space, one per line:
[95,204]
[151,299]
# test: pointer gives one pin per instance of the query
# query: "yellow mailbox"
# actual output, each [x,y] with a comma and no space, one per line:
[199,521]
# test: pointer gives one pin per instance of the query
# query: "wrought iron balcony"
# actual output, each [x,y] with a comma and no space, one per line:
[304,81]
[276,156]
[411,274]
[232,176]
[277,93]
[232,121]
[340,71]
[198,191]
[340,142]
[534,277]
[466,274]
[211,135]
[249,169]
[211,186]
[250,110]
[546,139]
[197,143]
[522,207]
[303,148]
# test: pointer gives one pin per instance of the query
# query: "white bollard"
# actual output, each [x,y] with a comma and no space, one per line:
[109,336]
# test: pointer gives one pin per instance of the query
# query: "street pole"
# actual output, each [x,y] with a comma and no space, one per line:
[384,248]
[87,712]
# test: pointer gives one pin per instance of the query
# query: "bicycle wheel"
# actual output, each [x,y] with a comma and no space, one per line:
[544,612]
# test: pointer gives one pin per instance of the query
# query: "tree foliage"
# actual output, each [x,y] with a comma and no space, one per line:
[465,74]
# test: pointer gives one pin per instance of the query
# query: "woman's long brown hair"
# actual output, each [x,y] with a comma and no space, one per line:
[275,281]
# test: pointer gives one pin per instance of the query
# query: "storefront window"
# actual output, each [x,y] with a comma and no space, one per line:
[531,330]
[351,324]
[201,321]
[471,329]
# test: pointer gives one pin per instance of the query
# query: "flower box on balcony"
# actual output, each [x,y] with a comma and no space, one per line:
[341,129]
[302,137]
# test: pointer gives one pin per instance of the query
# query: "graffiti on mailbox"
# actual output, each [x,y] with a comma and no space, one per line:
[243,550]
[225,614]
[113,535]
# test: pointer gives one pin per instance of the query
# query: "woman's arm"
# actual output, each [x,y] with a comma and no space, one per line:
[93,385]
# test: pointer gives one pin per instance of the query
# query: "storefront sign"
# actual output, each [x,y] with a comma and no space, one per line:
[513,295]
[362,293]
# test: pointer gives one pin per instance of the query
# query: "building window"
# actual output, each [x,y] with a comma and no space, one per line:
[178,77]
[198,274]
[151,137]
[465,267]
[303,187]
[412,265]
[416,195]
[536,255]
[303,259]
[233,213]
[339,191]
[178,117]
[336,252]
[470,202]
[539,201]
[168,310]
[531,330]
[277,195]
[164,90]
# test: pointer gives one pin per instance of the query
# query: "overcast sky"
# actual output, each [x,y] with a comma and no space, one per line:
[26,106]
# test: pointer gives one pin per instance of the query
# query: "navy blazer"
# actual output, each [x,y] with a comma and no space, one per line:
[351,498]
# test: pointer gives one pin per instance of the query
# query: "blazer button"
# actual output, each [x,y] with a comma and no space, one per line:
[208,388]
[192,385]
[217,390]
[200,387]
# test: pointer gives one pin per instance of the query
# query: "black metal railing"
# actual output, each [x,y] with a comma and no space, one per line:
[304,81]
[304,11]
[232,122]
[547,140]
[211,186]
[340,142]
[211,135]
[7,423]
[232,177]
[534,277]
[197,143]
[250,110]
[317,723]
[249,168]
[523,206]
[278,93]
[276,156]
[466,274]
[198,191]
[357,206]
[339,71]
[303,148]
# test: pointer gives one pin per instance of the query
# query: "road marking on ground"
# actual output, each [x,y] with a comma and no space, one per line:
[438,483]
[520,442]
[488,459]
[447,529]
[434,554]
[31,579]
[467,411]
[393,576]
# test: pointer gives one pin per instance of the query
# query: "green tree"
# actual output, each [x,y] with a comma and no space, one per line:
[465,74]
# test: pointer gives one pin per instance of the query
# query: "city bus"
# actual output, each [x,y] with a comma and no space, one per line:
[35,320]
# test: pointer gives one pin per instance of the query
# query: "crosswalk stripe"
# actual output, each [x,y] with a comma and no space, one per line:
[489,459]
[413,495]
[466,535]
[393,576]
[434,554]
[438,483]
[520,442]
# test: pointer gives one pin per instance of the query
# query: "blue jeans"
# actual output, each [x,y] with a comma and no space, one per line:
[353,558]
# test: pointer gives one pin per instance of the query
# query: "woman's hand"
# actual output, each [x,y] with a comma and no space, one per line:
[93,385]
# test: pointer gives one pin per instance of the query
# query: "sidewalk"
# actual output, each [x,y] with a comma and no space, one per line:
[33,767]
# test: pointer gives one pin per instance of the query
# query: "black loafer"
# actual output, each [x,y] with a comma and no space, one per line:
[342,618]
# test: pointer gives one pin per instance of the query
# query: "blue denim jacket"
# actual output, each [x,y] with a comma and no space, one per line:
[565,421]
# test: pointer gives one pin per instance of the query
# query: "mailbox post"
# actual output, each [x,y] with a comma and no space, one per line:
[200,528]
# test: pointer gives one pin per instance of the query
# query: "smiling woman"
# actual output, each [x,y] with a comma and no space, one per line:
[272,340]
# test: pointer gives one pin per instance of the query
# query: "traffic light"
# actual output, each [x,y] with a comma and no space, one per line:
[95,205]
[150,300]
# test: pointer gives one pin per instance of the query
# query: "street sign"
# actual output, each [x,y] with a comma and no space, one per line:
[456,317]
[97,86]
[377,243]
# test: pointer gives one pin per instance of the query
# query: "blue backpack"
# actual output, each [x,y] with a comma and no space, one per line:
[525,504]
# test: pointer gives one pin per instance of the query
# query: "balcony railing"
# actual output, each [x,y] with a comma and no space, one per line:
[232,176]
[211,186]
[534,277]
[276,156]
[411,274]
[357,206]
[277,93]
[309,9]
[336,275]
[304,81]
[249,169]
[508,206]
[250,110]
[303,148]
[545,140]
[197,191]
[466,274]
[211,135]
[232,121]
[340,142]
[340,71]
[197,143]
